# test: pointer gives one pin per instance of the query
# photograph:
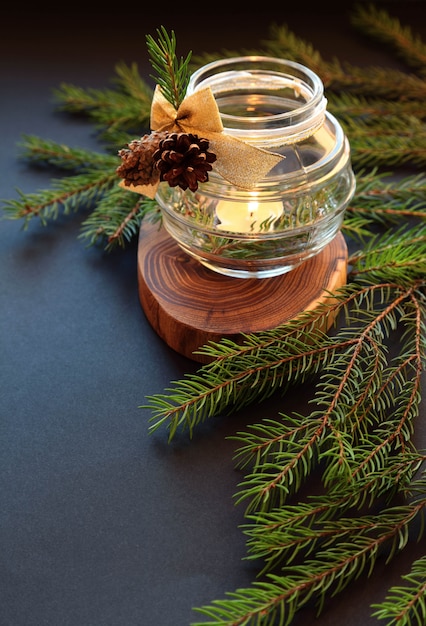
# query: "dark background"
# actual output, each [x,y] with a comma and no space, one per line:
[102,524]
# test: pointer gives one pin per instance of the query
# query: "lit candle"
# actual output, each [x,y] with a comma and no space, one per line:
[247,217]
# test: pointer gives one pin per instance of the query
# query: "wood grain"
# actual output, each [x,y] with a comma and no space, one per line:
[189,305]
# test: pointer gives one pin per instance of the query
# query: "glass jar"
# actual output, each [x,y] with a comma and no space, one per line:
[298,207]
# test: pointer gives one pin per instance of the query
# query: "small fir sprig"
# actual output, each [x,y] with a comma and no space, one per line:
[117,113]
[405,605]
[339,77]
[172,72]
[380,26]
[125,214]
[95,177]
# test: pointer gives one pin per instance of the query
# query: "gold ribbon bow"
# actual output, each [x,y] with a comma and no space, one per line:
[241,164]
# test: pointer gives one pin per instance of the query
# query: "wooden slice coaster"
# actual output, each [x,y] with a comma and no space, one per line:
[189,305]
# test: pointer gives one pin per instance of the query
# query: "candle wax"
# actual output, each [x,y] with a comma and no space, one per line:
[247,217]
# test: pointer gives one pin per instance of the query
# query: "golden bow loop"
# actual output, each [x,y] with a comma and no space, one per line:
[239,163]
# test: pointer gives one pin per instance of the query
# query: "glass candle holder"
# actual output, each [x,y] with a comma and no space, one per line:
[298,207]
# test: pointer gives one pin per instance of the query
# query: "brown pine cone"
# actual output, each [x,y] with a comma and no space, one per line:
[183,160]
[137,166]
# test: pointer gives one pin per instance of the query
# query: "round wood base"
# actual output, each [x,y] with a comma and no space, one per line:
[189,305]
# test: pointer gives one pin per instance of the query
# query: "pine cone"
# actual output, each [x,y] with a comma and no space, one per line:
[138,167]
[183,160]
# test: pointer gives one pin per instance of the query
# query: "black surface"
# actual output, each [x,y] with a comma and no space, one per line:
[102,524]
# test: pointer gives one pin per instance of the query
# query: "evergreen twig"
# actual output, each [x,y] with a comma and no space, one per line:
[390,141]
[339,77]
[65,196]
[38,150]
[380,26]
[405,605]
[347,106]
[385,200]
[279,597]
[172,73]
[125,213]
[117,113]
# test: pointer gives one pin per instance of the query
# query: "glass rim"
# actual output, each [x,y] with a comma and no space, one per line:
[316,104]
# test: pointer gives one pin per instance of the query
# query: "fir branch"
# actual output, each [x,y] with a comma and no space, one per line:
[390,142]
[127,108]
[351,401]
[262,364]
[107,108]
[38,150]
[379,485]
[280,539]
[117,218]
[398,256]
[285,44]
[405,605]
[280,596]
[380,26]
[172,74]
[377,82]
[340,77]
[348,106]
[128,80]
[386,200]
[388,187]
[65,195]
[357,227]
[243,373]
